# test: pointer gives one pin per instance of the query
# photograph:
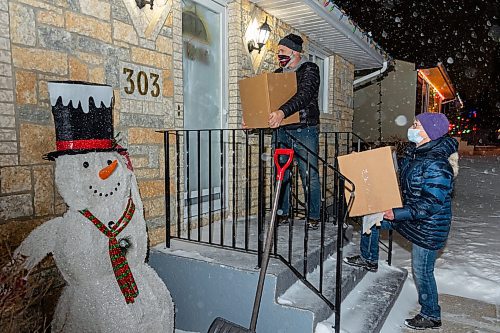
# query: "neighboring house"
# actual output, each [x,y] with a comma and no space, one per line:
[174,66]
[435,91]
[384,110]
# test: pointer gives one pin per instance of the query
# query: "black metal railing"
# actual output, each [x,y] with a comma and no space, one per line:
[335,144]
[219,187]
[334,208]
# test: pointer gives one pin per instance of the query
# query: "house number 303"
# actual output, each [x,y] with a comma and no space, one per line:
[141,82]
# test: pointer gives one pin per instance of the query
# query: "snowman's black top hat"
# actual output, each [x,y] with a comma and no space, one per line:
[83,117]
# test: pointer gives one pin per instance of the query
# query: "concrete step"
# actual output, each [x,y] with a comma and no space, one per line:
[295,255]
[214,282]
[367,306]
[302,297]
[292,252]
[207,282]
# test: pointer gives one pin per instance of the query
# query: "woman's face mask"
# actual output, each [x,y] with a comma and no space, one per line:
[285,59]
[414,135]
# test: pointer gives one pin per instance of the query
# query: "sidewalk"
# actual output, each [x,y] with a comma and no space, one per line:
[465,315]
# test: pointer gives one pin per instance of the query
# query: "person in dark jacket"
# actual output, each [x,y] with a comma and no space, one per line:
[305,101]
[426,181]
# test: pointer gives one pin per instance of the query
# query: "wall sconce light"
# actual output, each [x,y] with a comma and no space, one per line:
[142,3]
[264,32]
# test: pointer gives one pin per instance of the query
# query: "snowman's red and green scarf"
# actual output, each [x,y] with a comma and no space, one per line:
[120,265]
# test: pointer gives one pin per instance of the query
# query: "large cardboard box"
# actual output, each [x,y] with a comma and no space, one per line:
[374,176]
[265,93]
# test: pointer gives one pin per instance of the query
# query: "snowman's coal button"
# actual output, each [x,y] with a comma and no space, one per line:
[110,224]
[124,243]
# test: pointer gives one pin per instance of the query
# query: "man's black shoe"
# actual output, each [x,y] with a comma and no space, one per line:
[313,224]
[359,261]
[421,323]
[282,220]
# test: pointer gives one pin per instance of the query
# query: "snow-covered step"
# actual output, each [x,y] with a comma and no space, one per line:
[367,306]
[367,299]
[300,296]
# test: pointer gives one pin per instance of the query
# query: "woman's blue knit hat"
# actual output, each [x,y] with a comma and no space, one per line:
[435,124]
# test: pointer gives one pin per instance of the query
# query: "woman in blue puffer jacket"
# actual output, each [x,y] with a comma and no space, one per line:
[426,181]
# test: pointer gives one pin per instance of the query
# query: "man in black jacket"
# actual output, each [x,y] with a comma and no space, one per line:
[305,101]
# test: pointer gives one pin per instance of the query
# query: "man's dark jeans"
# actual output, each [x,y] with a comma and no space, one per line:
[423,261]
[308,168]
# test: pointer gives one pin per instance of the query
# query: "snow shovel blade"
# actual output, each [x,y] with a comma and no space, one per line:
[221,325]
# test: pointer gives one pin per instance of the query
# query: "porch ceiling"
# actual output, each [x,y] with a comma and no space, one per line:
[440,80]
[329,28]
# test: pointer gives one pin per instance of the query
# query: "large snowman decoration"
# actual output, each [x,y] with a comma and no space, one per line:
[100,243]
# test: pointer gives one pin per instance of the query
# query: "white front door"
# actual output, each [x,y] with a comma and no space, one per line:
[205,99]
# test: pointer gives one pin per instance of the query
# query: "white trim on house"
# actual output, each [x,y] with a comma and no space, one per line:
[330,28]
[324,76]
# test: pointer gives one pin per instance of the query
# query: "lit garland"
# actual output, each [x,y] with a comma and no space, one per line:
[430,83]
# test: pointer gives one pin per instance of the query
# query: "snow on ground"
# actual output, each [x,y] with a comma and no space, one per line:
[469,266]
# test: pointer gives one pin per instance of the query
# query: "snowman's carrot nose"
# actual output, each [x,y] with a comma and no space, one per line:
[107,171]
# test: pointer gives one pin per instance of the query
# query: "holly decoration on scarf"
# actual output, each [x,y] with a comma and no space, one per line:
[122,271]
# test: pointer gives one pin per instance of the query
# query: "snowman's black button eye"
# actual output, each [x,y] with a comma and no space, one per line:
[109,162]
[85,165]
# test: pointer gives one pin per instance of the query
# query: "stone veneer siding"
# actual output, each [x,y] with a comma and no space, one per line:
[43,40]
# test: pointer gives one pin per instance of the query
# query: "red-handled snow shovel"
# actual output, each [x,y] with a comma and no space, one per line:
[221,325]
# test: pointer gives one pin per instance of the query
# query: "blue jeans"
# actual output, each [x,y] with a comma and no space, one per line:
[308,168]
[422,263]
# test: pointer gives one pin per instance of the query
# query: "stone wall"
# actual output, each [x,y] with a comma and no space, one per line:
[96,41]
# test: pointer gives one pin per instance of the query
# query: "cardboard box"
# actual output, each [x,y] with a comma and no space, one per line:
[374,176]
[265,93]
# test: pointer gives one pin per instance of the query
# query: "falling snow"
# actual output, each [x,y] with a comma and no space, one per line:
[463,35]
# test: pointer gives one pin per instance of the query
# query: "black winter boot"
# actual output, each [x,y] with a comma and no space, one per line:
[359,261]
[282,220]
[313,224]
[421,323]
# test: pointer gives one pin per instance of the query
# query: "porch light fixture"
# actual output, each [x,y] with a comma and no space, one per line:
[264,33]
[142,3]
